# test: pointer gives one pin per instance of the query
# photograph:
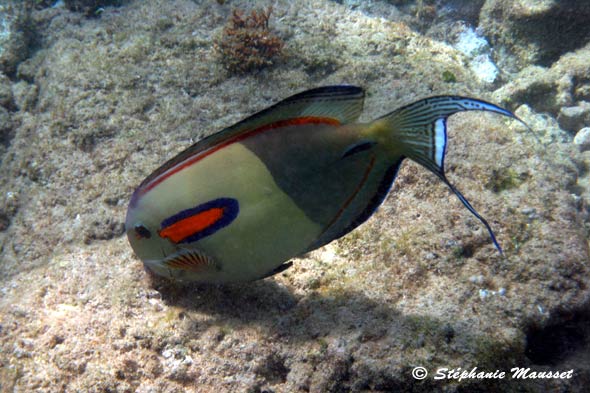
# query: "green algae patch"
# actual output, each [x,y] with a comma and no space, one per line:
[448,77]
[505,179]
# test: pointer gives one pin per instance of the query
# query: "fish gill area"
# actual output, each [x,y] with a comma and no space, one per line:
[94,95]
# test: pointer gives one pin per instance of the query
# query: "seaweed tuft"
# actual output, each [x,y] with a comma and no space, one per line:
[247,43]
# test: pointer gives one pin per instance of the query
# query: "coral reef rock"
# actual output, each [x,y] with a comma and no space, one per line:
[102,101]
[534,32]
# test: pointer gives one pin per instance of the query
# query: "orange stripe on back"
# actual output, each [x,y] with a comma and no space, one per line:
[298,121]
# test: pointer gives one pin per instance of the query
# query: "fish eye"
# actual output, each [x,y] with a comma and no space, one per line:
[142,232]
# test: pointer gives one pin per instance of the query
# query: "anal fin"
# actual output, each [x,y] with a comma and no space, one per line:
[277,270]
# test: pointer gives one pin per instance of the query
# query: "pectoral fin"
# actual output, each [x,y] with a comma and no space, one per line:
[191,261]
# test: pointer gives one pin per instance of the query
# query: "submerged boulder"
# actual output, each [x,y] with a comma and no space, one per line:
[15,35]
[534,32]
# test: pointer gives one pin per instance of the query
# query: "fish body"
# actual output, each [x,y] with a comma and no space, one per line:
[238,204]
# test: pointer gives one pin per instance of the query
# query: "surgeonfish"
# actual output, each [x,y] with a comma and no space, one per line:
[239,204]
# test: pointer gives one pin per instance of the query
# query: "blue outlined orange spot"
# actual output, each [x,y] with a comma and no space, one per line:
[193,224]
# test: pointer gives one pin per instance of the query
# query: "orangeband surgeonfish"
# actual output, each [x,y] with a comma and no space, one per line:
[240,203]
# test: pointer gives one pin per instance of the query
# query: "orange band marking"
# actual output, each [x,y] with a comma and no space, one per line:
[351,197]
[193,224]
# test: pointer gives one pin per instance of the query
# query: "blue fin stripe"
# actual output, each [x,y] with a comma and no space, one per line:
[359,147]
[466,203]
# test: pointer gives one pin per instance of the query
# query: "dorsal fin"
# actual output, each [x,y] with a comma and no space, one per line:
[341,103]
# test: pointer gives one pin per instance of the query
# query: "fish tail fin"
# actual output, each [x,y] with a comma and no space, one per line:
[420,131]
